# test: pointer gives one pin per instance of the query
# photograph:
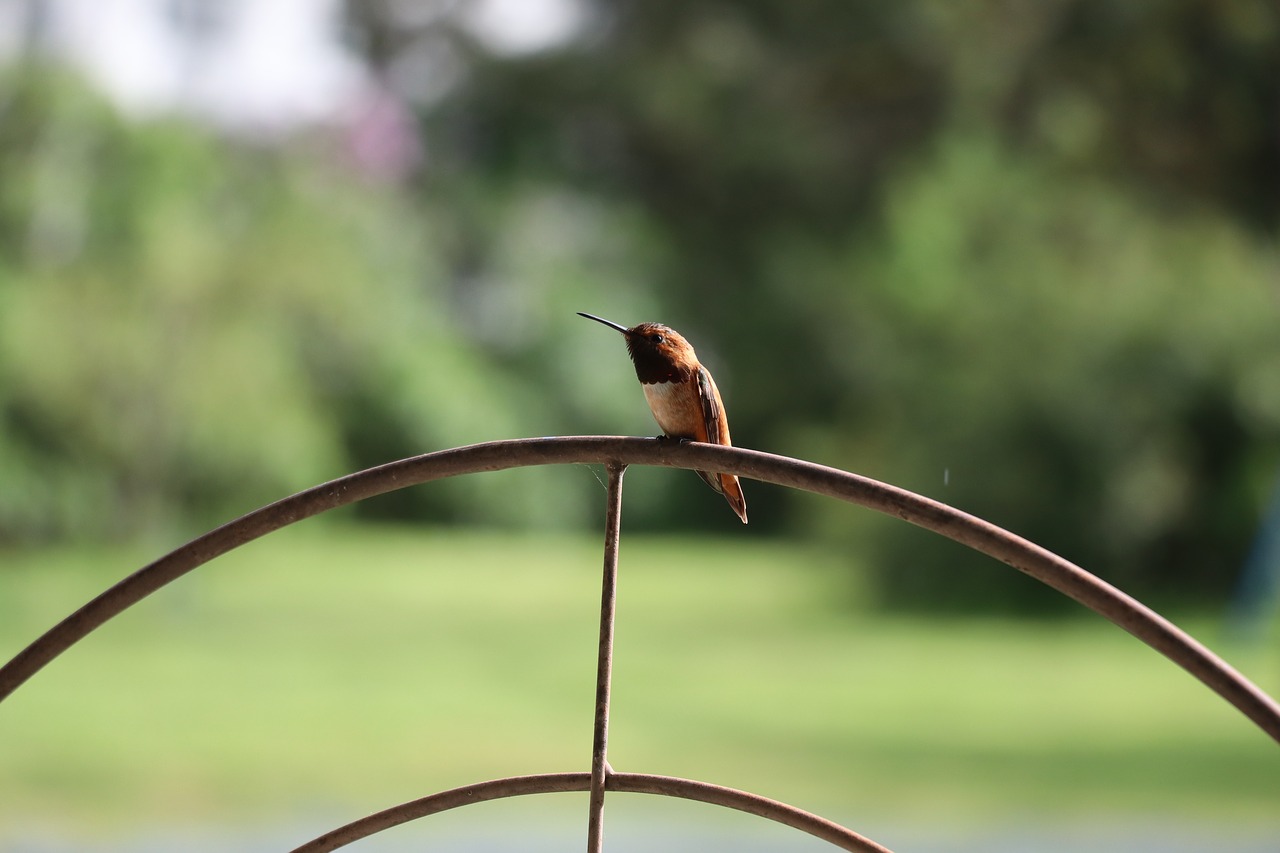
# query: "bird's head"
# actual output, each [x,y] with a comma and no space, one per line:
[659,353]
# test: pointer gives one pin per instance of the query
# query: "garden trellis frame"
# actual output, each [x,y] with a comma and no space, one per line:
[617,453]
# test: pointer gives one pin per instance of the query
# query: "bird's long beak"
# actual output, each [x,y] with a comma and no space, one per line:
[608,323]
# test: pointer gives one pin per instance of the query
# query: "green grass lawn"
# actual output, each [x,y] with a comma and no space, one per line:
[340,670]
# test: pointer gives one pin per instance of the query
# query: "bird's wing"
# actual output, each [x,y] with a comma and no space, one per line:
[712,413]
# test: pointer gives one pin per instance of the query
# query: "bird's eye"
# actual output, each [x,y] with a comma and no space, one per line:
[656,338]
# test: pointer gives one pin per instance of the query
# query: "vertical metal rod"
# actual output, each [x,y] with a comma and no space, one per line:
[604,663]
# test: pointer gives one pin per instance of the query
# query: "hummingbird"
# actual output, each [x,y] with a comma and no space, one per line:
[681,394]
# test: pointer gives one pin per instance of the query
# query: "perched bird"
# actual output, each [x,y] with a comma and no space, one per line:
[681,394]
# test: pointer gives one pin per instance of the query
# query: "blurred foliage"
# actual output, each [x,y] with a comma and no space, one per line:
[1018,256]
[191,328]
[1096,378]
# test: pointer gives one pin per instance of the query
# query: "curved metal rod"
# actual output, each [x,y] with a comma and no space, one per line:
[600,769]
[1027,557]
[638,783]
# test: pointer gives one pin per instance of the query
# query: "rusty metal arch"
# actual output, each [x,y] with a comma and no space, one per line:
[617,452]
[636,783]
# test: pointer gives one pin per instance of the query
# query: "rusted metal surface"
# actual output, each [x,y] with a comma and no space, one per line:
[1067,578]
[636,783]
[604,661]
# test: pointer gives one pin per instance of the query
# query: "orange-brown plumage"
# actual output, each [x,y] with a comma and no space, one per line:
[681,394]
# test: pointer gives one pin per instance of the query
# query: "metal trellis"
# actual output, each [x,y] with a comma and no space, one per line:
[617,453]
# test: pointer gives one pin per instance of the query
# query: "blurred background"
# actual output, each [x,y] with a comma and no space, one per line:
[1020,257]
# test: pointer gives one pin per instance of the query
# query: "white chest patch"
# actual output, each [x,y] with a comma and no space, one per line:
[674,407]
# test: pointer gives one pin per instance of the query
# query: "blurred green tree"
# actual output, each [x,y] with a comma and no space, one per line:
[1011,254]
[1045,352]
[190,327]
[1020,256]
